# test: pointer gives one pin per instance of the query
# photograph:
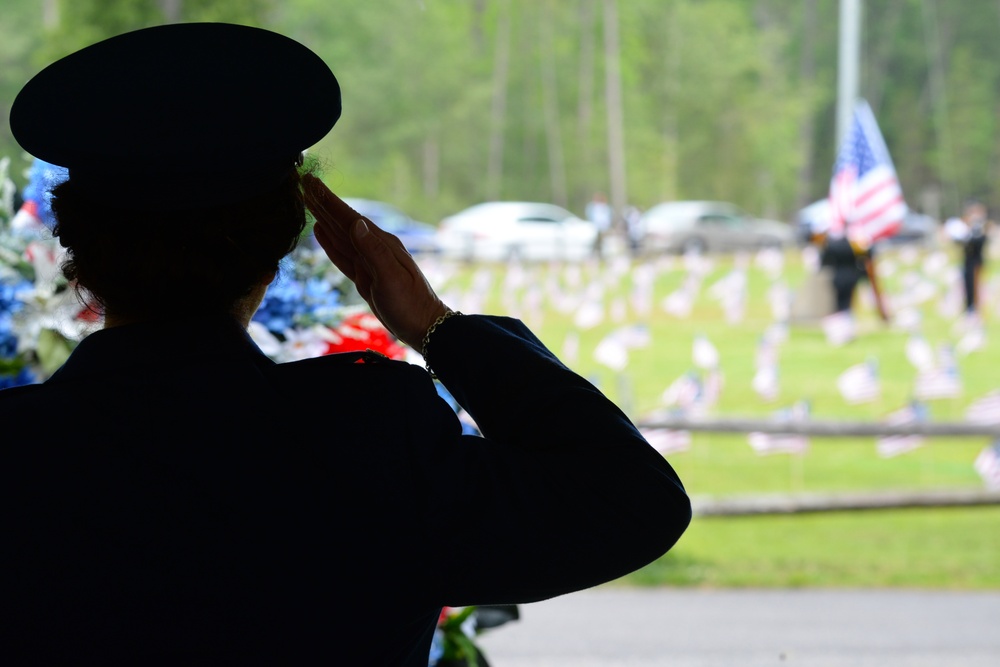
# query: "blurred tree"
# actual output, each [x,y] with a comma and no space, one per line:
[450,103]
[20,35]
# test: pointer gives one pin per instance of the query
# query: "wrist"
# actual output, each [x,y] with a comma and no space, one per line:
[425,344]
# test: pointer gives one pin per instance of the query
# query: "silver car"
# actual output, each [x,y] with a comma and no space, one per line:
[709,226]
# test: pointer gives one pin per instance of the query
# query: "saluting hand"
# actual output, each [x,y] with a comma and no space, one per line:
[376,262]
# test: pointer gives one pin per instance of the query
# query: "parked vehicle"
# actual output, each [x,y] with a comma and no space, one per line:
[417,237]
[709,226]
[917,228]
[502,231]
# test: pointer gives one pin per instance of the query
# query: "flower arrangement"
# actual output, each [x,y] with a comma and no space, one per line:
[452,645]
[41,319]
[311,309]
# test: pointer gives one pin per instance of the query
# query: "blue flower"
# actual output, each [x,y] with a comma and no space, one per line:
[11,293]
[10,303]
[23,377]
[282,302]
[42,178]
[437,648]
[8,342]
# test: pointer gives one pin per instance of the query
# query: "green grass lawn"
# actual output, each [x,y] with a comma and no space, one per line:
[945,548]
[954,548]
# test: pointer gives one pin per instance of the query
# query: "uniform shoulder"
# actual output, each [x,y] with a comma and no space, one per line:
[14,393]
[359,366]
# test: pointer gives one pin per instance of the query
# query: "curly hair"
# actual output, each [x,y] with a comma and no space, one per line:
[145,263]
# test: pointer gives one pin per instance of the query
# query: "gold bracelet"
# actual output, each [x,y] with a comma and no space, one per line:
[427,338]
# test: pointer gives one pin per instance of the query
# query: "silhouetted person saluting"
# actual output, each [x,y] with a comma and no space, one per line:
[172,496]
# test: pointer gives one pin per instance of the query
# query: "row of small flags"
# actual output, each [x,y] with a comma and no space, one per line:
[936,377]
[582,293]
[589,294]
[695,392]
[984,411]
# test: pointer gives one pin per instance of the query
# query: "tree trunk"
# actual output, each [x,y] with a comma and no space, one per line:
[501,63]
[807,71]
[550,108]
[585,101]
[615,112]
[172,10]
[671,136]
[875,64]
[50,14]
[939,105]
[432,167]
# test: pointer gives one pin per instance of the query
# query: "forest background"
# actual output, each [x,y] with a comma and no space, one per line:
[451,102]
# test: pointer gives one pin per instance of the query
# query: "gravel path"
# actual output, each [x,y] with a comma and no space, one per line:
[727,628]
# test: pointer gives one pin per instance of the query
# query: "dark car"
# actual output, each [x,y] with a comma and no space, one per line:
[417,237]
[917,228]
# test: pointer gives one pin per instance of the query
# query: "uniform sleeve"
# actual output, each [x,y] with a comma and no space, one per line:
[561,494]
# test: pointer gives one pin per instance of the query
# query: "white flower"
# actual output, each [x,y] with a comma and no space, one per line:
[305,343]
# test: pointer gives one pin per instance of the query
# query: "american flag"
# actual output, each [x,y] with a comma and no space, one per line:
[865,196]
[860,383]
[667,441]
[894,445]
[985,410]
[764,444]
[987,464]
[684,392]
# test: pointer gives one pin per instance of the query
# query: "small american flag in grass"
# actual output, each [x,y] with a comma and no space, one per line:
[985,410]
[894,445]
[860,383]
[988,465]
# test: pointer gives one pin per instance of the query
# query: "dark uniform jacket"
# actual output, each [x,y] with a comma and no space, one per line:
[172,496]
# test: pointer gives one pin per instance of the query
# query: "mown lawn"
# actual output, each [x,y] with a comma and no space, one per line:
[954,548]
[942,548]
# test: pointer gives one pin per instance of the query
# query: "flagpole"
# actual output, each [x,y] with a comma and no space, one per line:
[848,59]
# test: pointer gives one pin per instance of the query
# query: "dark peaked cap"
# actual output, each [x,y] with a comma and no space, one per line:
[178,116]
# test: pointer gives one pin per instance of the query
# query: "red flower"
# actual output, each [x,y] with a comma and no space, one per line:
[363,331]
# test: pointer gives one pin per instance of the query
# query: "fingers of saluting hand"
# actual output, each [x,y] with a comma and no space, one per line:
[334,220]
[329,209]
[341,253]
[337,230]
[376,261]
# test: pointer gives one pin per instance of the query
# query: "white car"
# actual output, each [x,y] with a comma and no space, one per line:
[503,231]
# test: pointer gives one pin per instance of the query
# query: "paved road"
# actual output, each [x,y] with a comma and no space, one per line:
[801,628]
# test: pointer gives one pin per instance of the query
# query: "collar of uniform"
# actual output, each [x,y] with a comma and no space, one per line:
[166,346]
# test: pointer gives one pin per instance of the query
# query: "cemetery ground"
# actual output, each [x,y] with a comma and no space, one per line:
[734,302]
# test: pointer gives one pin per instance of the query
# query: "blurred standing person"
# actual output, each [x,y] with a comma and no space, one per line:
[634,229]
[970,231]
[866,206]
[599,212]
[849,259]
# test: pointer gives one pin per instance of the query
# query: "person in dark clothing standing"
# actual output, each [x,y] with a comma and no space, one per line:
[971,232]
[172,496]
[847,268]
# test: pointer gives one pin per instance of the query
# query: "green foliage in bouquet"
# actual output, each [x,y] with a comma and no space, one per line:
[459,648]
